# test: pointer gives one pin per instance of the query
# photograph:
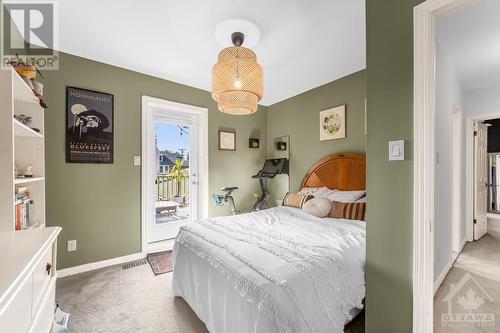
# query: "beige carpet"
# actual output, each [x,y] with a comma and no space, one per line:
[132,300]
[480,259]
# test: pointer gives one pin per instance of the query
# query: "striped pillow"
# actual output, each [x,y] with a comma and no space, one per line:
[296,200]
[350,211]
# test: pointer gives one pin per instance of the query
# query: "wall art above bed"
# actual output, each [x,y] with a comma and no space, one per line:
[332,123]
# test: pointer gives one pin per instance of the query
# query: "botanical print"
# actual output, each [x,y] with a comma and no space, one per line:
[227,140]
[332,123]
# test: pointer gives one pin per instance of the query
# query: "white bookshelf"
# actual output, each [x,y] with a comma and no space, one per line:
[22,146]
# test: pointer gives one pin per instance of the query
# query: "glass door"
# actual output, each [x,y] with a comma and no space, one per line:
[175,177]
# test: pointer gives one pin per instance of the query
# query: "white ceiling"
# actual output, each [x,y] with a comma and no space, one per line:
[302,45]
[471,38]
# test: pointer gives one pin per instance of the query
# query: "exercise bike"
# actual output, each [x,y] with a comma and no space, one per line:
[221,199]
[272,168]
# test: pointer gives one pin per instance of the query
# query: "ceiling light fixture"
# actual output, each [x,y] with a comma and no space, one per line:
[237,79]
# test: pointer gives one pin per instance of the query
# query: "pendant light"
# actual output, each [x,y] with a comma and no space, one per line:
[237,79]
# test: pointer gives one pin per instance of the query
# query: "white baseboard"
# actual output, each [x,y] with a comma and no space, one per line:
[442,275]
[99,264]
[447,268]
[462,244]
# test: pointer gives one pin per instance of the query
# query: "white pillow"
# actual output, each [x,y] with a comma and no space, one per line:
[317,206]
[346,196]
[317,191]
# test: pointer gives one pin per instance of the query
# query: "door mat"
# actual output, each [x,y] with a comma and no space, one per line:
[161,262]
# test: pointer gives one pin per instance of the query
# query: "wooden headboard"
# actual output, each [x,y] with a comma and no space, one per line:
[345,172]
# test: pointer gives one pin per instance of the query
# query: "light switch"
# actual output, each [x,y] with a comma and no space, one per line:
[397,150]
[137,160]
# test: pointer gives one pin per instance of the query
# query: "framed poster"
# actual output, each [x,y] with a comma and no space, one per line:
[332,123]
[227,140]
[89,126]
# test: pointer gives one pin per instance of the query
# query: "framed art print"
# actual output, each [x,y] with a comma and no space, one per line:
[89,126]
[227,140]
[332,123]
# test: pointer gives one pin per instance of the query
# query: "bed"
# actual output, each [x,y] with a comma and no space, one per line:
[280,269]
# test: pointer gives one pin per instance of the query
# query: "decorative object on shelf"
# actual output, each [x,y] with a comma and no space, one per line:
[28,172]
[280,145]
[29,73]
[23,119]
[38,90]
[332,123]
[253,143]
[89,126]
[227,140]
[237,79]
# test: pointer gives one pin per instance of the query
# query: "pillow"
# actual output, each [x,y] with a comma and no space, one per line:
[316,191]
[346,196]
[317,206]
[350,211]
[295,200]
[363,199]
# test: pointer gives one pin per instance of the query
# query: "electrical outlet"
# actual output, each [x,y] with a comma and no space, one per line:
[72,245]
[137,160]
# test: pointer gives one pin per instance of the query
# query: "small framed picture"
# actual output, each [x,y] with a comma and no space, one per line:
[227,140]
[332,123]
[253,143]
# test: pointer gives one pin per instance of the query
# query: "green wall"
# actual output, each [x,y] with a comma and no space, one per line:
[298,117]
[99,205]
[389,29]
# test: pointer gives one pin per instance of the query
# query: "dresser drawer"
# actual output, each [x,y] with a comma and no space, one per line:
[44,318]
[41,278]
[17,315]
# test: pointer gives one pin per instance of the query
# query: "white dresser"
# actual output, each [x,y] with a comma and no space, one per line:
[28,280]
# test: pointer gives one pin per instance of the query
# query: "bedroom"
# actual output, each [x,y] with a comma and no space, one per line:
[101,206]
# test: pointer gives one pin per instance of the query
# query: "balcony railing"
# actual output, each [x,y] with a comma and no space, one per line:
[166,188]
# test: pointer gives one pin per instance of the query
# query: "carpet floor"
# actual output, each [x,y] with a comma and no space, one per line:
[132,300]
[477,295]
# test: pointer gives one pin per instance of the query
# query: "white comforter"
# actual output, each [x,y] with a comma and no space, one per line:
[292,271]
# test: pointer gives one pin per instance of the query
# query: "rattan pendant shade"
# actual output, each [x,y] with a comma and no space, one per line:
[237,81]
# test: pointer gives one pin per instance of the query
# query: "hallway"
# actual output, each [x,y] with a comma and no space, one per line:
[472,287]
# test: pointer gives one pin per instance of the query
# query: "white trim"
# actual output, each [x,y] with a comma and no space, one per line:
[166,245]
[454,255]
[202,113]
[442,275]
[99,264]
[424,48]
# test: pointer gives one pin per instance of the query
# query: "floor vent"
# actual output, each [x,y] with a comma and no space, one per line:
[134,263]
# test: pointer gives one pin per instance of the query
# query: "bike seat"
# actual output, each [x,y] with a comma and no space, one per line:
[227,189]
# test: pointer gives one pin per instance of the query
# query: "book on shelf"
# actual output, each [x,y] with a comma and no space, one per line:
[25,217]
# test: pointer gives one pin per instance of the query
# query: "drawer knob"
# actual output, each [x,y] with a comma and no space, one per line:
[48,267]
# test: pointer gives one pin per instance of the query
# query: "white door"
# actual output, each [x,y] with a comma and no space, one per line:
[170,202]
[480,181]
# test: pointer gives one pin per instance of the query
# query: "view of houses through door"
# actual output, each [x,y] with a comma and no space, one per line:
[175,178]
[174,169]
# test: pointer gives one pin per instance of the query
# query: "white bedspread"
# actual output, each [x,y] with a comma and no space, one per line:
[277,270]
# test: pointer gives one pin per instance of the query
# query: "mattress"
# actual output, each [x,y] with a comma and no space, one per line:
[276,270]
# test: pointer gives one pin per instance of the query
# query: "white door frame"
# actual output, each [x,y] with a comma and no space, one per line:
[424,108]
[149,102]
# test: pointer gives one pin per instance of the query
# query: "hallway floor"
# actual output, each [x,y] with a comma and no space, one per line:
[472,288]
